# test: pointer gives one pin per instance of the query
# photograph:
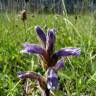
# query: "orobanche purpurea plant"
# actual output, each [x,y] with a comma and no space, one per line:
[51,60]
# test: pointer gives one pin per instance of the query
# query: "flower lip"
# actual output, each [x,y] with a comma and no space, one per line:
[52,83]
[20,75]
[52,80]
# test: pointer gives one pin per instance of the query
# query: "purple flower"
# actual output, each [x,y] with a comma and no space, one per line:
[34,48]
[59,65]
[68,52]
[50,41]
[63,52]
[34,76]
[41,34]
[52,80]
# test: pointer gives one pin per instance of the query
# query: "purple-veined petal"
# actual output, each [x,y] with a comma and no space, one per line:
[34,48]
[52,80]
[68,52]
[31,75]
[41,34]
[63,52]
[59,65]
[34,76]
[50,41]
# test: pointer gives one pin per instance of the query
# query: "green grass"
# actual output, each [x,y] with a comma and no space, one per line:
[78,77]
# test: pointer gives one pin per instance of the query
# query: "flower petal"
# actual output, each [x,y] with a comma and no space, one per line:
[34,48]
[59,65]
[41,34]
[52,80]
[50,41]
[33,75]
[68,52]
[63,52]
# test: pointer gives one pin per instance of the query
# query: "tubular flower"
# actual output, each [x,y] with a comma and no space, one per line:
[34,76]
[41,34]
[50,42]
[34,48]
[52,61]
[59,65]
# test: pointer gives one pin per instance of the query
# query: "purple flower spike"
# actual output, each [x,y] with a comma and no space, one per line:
[59,65]
[41,34]
[34,48]
[68,52]
[50,41]
[52,80]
